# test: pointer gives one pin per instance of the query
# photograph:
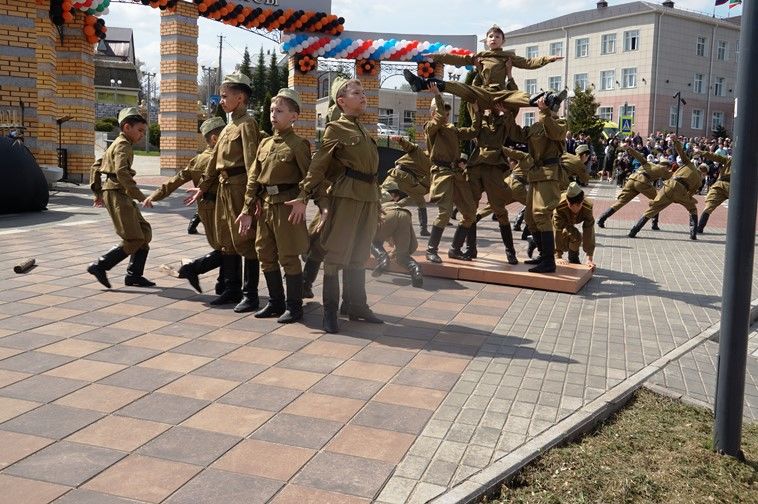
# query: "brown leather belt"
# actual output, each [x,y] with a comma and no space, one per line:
[443,164]
[546,162]
[273,190]
[725,178]
[521,179]
[209,197]
[408,171]
[237,170]
[682,181]
[363,177]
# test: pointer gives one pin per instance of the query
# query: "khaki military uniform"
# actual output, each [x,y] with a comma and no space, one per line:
[567,236]
[546,140]
[679,189]
[349,157]
[397,226]
[719,191]
[572,167]
[493,74]
[487,165]
[231,160]
[119,192]
[281,163]
[449,185]
[206,207]
[412,174]
[516,180]
[641,181]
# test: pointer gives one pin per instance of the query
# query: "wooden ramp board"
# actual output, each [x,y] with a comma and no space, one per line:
[492,268]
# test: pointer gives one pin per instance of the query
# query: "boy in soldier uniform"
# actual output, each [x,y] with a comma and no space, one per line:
[281,164]
[232,158]
[348,155]
[412,174]
[117,195]
[206,207]
[719,191]
[574,209]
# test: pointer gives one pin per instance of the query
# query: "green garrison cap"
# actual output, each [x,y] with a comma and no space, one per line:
[238,78]
[337,84]
[292,95]
[582,148]
[573,190]
[390,185]
[211,124]
[128,112]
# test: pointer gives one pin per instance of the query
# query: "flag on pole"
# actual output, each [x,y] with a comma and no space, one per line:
[721,2]
[734,3]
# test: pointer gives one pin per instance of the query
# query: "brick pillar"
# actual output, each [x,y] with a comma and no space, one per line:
[18,67]
[307,86]
[76,98]
[178,112]
[371,87]
[423,103]
[47,89]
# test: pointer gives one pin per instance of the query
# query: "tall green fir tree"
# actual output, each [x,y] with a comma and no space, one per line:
[265,118]
[582,117]
[274,80]
[259,82]
[246,65]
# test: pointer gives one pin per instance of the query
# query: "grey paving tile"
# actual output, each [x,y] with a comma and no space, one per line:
[205,348]
[280,342]
[141,378]
[124,354]
[259,396]
[295,430]
[42,388]
[51,421]
[437,380]
[383,355]
[393,417]
[345,474]
[344,386]
[28,340]
[164,408]
[308,362]
[111,335]
[81,496]
[221,487]
[34,362]
[229,370]
[192,446]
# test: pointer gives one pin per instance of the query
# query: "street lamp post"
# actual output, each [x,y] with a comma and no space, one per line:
[150,75]
[679,102]
[115,84]
[209,71]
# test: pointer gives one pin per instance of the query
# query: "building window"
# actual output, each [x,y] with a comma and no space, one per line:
[528,118]
[698,83]
[324,88]
[605,113]
[556,49]
[717,120]
[387,116]
[581,81]
[409,118]
[629,77]
[608,45]
[719,87]
[697,119]
[607,79]
[532,51]
[721,50]
[629,111]
[673,113]
[555,83]
[582,47]
[631,40]
[530,85]
[700,48]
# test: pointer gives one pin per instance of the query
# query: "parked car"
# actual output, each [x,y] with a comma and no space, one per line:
[384,130]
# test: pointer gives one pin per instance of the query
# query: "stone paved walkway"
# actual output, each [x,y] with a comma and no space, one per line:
[150,396]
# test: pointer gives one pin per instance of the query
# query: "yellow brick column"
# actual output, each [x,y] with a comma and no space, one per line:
[423,103]
[307,86]
[18,67]
[178,112]
[76,98]
[371,88]
[47,88]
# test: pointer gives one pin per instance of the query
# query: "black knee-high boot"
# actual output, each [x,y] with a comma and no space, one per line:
[251,276]
[433,245]
[192,270]
[193,223]
[507,237]
[637,227]
[423,221]
[331,301]
[547,265]
[294,301]
[105,263]
[231,266]
[275,306]
[136,269]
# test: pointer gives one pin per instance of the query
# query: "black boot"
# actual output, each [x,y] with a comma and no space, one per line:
[535,98]
[604,217]
[507,236]
[434,243]
[310,272]
[219,287]
[703,221]
[655,223]
[136,269]
[525,233]
[693,226]
[554,100]
[358,308]
[471,251]
[547,265]
[294,302]
[417,83]
[331,300]
[105,263]
[231,267]
[574,257]
[455,248]
[193,223]
[250,277]
[637,227]
[417,278]
[534,244]
[275,306]
[519,220]
[192,271]
[382,258]
[454,215]
[423,221]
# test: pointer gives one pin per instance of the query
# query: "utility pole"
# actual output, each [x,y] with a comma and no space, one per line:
[679,102]
[220,51]
[208,86]
[147,141]
[740,242]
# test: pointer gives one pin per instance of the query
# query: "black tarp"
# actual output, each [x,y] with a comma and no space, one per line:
[23,187]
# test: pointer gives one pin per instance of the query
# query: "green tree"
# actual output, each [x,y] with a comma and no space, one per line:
[245,66]
[720,132]
[265,118]
[582,117]
[274,79]
[259,82]
[284,76]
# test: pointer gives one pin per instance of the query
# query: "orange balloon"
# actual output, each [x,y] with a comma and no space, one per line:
[89,30]
[202,8]
[68,17]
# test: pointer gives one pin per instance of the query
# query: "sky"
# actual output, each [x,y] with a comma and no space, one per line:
[454,17]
